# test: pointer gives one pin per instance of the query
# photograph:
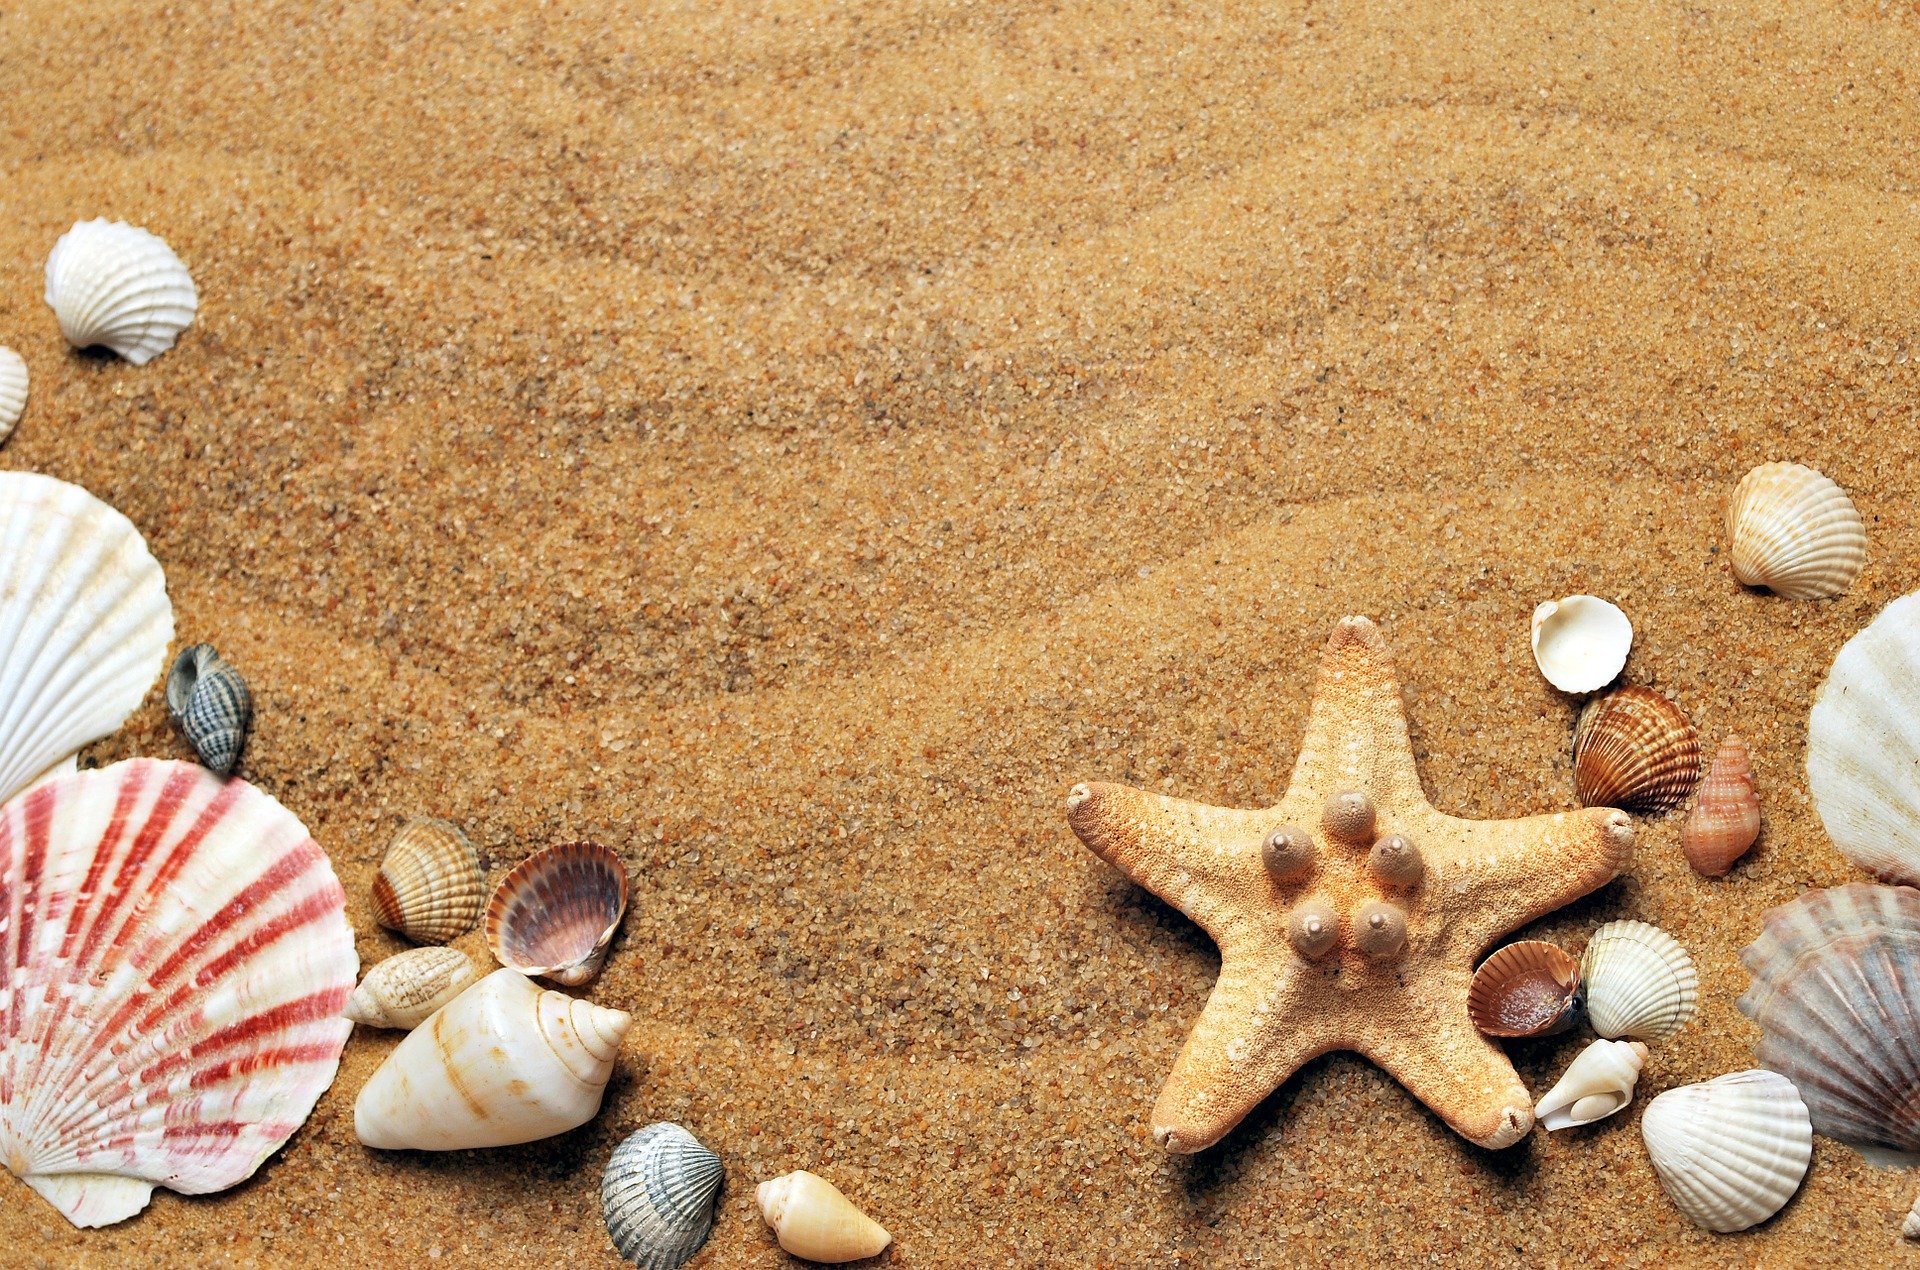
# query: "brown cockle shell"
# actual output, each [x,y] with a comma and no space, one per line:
[1726,818]
[555,914]
[1635,750]
[1529,988]
[430,888]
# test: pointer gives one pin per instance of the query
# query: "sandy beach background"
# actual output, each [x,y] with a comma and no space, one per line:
[792,443]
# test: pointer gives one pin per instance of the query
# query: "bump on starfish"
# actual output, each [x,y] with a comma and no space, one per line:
[1363,943]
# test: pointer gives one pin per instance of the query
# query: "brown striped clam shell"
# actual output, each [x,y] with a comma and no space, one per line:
[1634,749]
[1529,988]
[556,912]
[430,887]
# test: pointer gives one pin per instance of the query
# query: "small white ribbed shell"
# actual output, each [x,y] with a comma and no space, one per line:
[1597,1083]
[1730,1152]
[13,390]
[657,1195]
[1580,643]
[1863,745]
[1639,980]
[120,287]
[404,990]
[1795,532]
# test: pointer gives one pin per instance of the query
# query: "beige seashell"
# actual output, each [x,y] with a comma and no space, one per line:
[1635,750]
[1863,754]
[1639,982]
[504,1062]
[1527,988]
[813,1220]
[1580,643]
[13,390]
[1795,532]
[430,887]
[1725,820]
[1910,1228]
[1729,1152]
[404,989]
[556,912]
[1598,1083]
[119,287]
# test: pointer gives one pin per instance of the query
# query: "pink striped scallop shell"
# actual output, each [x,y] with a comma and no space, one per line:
[556,912]
[176,955]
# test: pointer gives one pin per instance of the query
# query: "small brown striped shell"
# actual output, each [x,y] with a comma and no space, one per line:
[1726,819]
[1635,750]
[430,887]
[1529,988]
[555,914]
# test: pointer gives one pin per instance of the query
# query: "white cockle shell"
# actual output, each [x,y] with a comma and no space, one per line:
[504,1062]
[1729,1152]
[1639,982]
[658,1194]
[814,1221]
[114,285]
[1597,1083]
[1863,745]
[177,953]
[13,390]
[84,623]
[1581,642]
[406,988]
[1795,532]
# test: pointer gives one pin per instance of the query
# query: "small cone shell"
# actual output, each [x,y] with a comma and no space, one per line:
[403,990]
[1598,1083]
[1528,988]
[430,887]
[1795,532]
[1635,750]
[1725,820]
[813,1220]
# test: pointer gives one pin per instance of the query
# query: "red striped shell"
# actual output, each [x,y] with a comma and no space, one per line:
[555,914]
[176,956]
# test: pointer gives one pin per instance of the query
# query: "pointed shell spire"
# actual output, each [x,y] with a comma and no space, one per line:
[814,1221]
[406,988]
[213,707]
[1725,820]
[1598,1083]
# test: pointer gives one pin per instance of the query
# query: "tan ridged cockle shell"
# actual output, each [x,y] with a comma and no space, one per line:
[1529,988]
[430,886]
[814,1221]
[1635,750]
[406,988]
[555,914]
[1795,532]
[1639,981]
[1726,819]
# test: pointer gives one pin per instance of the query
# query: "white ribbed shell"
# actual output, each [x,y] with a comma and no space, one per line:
[1795,532]
[176,954]
[84,623]
[1639,982]
[658,1194]
[1863,745]
[114,285]
[13,390]
[1730,1152]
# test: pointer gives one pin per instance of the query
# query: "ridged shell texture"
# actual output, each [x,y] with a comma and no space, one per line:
[212,706]
[1795,532]
[430,886]
[1639,982]
[1725,820]
[116,286]
[1729,1152]
[1527,988]
[13,390]
[658,1195]
[556,912]
[1863,748]
[1635,750]
[406,988]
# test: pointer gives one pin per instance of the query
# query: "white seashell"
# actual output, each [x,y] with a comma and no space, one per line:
[658,1194]
[406,988]
[176,953]
[13,390]
[112,284]
[1597,1083]
[814,1221]
[504,1062]
[1863,749]
[1731,1151]
[84,623]
[1910,1229]
[430,886]
[1639,980]
[1795,532]
[1580,643]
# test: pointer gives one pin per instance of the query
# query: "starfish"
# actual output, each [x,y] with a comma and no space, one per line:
[1366,940]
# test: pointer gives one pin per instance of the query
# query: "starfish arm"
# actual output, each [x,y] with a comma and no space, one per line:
[1356,735]
[1205,861]
[1517,870]
[1460,1075]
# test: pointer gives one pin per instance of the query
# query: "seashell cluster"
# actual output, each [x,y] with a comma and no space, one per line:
[120,287]
[13,390]
[430,886]
[658,1195]
[1635,750]
[503,1062]
[556,912]
[1795,533]
[1729,1152]
[210,702]
[406,988]
[1580,643]
[176,953]
[814,1221]
[1725,820]
[1639,982]
[1527,988]
[1863,754]
[1597,1083]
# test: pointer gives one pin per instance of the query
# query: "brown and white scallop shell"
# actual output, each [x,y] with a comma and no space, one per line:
[555,914]
[1725,820]
[430,887]
[1529,988]
[1795,532]
[1635,750]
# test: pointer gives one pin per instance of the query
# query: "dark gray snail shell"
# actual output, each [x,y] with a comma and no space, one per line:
[211,703]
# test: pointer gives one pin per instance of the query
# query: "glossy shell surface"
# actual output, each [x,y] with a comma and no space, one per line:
[556,912]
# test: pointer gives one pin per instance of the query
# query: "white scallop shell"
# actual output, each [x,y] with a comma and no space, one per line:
[814,1221]
[1795,532]
[112,284]
[404,990]
[658,1194]
[1580,643]
[1730,1152]
[84,623]
[176,952]
[1597,1083]
[1863,745]
[13,390]
[1639,981]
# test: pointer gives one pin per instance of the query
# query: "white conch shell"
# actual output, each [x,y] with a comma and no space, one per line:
[1730,1152]
[13,390]
[813,1220]
[1639,980]
[1863,751]
[84,623]
[1795,532]
[1597,1083]
[112,284]
[175,953]
[504,1062]
[406,988]
[1580,643]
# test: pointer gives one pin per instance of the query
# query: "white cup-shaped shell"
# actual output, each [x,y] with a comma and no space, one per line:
[115,286]
[13,390]
[1581,642]
[1597,1083]
[658,1194]
[1795,532]
[404,990]
[1639,982]
[1863,750]
[430,886]
[1729,1152]
[814,1221]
